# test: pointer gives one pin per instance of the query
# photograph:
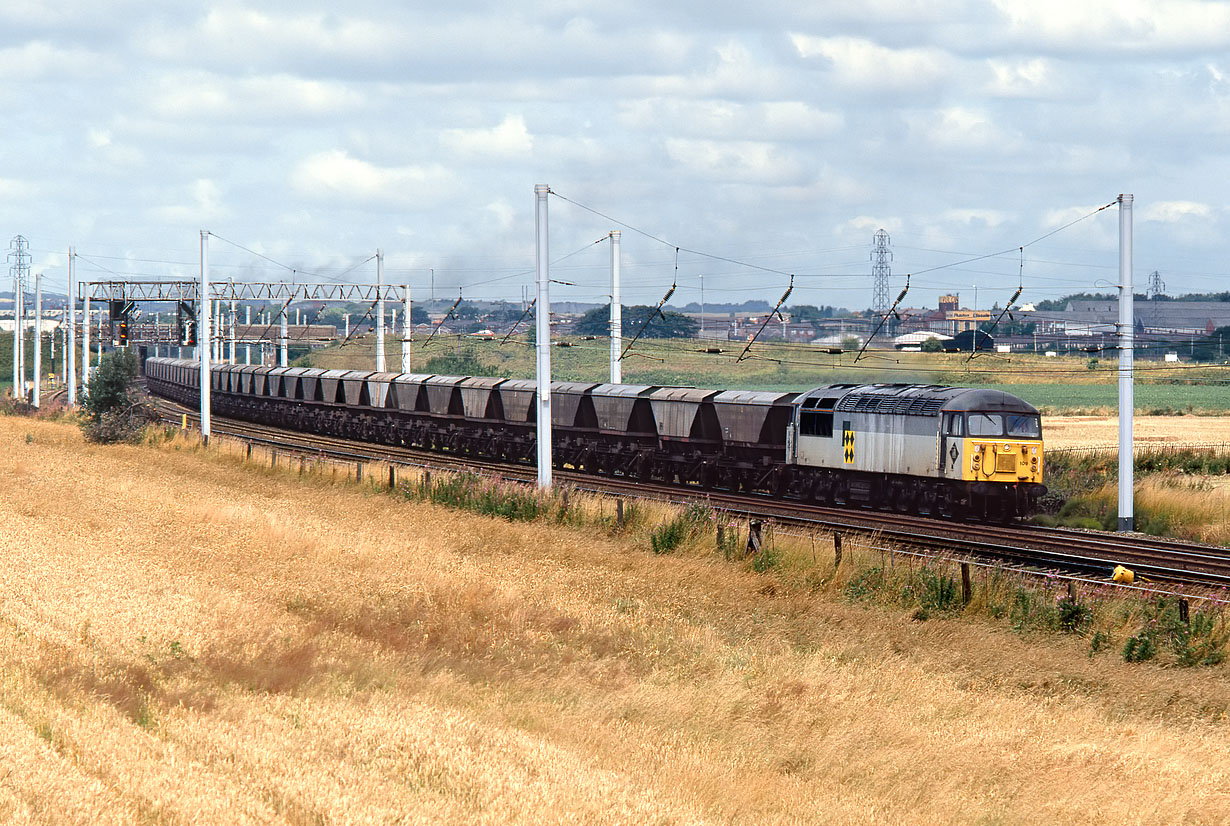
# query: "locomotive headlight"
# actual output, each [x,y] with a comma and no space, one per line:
[1034,451]
[977,449]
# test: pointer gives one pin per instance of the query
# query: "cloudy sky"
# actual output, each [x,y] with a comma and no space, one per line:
[761,139]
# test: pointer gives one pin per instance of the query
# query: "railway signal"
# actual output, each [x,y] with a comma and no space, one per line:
[120,310]
[185,316]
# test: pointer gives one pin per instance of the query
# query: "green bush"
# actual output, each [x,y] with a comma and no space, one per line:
[490,497]
[1200,640]
[670,535]
[1139,647]
[1098,641]
[114,410]
[866,585]
[766,560]
[1073,615]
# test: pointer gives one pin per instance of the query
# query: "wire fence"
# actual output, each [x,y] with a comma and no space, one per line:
[1148,447]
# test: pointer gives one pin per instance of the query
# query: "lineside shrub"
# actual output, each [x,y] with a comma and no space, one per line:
[670,535]
[115,409]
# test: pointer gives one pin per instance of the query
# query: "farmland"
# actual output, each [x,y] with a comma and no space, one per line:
[189,638]
[1063,385]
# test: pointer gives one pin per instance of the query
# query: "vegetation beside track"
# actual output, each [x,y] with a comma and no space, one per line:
[1180,492]
[1142,627]
[193,636]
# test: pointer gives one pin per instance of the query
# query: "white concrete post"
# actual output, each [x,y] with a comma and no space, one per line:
[38,335]
[19,310]
[542,339]
[379,311]
[406,332]
[617,312]
[85,339]
[70,348]
[16,343]
[1127,343]
[231,360]
[346,334]
[247,336]
[204,336]
[285,336]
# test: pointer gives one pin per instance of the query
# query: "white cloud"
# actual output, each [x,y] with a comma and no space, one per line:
[1029,78]
[204,206]
[957,128]
[244,34]
[969,217]
[1173,212]
[336,177]
[201,96]
[861,64]
[11,188]
[864,226]
[42,60]
[786,120]
[742,161]
[423,128]
[1091,26]
[509,139]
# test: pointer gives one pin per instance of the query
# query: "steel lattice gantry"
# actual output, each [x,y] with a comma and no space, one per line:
[167,291]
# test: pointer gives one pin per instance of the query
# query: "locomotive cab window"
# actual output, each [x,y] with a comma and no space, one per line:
[815,423]
[953,424]
[986,424]
[1024,426]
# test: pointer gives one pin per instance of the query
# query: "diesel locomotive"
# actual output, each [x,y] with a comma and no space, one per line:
[926,449]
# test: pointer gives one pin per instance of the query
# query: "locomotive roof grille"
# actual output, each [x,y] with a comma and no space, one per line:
[891,404]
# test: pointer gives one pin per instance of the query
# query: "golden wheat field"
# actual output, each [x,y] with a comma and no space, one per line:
[185,638]
[1147,431]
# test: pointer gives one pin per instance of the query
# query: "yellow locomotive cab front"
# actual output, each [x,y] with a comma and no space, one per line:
[1003,461]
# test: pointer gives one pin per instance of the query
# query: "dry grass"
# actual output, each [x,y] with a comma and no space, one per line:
[184,639]
[1103,431]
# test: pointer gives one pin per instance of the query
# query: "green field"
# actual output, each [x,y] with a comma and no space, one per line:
[1157,399]
[1063,385]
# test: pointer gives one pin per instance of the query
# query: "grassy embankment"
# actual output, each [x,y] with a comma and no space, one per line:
[186,637]
[1065,385]
[1180,492]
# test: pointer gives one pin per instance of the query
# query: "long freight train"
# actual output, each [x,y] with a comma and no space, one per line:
[927,449]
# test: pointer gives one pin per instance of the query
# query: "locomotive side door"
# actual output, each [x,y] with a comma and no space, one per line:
[952,443]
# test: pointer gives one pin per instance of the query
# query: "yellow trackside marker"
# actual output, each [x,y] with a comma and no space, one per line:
[847,444]
[183,422]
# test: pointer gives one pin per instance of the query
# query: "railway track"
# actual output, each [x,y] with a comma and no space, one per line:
[1087,553]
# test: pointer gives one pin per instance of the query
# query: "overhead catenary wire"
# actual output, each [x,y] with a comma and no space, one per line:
[775,311]
[447,316]
[649,318]
[664,242]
